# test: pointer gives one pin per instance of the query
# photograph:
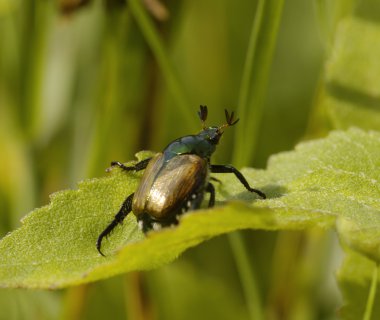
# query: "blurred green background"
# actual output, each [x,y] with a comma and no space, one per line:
[81,85]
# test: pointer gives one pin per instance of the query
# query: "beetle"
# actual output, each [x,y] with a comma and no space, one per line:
[175,179]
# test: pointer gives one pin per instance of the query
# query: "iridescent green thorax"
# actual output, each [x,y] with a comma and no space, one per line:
[202,144]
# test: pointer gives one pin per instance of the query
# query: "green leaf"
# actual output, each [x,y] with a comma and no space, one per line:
[352,93]
[311,186]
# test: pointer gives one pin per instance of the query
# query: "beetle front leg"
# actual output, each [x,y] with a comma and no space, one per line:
[217,168]
[137,167]
[119,217]
[210,188]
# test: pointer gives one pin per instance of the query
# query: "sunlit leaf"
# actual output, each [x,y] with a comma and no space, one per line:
[310,187]
[352,94]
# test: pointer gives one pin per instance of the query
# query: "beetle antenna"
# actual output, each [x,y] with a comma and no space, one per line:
[202,113]
[229,120]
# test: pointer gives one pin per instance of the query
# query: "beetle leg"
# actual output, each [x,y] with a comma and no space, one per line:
[210,188]
[137,167]
[119,217]
[215,179]
[217,168]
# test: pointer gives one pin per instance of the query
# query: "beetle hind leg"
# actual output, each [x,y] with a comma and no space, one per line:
[215,179]
[119,217]
[210,188]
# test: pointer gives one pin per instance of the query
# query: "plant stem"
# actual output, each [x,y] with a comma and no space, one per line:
[372,294]
[252,93]
[247,276]
[32,66]
[255,78]
[74,302]
[247,79]
[116,32]
[159,52]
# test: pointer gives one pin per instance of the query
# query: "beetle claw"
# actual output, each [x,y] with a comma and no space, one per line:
[98,246]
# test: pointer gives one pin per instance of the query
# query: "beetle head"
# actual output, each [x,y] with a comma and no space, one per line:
[213,134]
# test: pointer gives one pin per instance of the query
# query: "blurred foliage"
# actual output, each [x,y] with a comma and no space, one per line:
[81,84]
[355,277]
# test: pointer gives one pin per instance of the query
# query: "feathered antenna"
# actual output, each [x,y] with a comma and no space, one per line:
[202,113]
[229,119]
